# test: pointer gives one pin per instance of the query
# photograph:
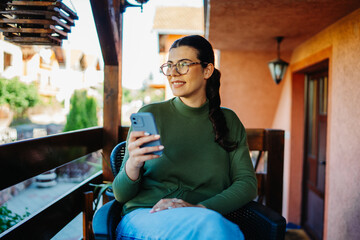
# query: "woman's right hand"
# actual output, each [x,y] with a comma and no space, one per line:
[137,155]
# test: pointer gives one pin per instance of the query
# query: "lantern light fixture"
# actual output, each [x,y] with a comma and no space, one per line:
[278,66]
[124,4]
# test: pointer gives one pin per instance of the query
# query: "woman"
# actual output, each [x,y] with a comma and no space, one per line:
[205,169]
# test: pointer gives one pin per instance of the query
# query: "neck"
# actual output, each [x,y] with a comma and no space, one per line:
[193,102]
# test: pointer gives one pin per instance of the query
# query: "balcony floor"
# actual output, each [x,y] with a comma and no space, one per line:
[72,231]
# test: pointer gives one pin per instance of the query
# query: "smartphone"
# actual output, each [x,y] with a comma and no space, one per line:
[144,121]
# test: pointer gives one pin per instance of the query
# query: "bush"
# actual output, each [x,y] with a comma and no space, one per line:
[20,96]
[9,218]
[82,112]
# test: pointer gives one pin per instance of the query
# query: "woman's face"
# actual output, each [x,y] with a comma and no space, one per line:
[191,86]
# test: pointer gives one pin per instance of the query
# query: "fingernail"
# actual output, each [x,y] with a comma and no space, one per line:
[161,147]
[146,133]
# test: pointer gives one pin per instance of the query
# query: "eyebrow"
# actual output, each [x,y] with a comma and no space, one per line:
[180,60]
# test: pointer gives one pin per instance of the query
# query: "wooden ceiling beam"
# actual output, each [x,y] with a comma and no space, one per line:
[108,22]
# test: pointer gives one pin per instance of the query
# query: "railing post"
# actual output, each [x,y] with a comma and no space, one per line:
[88,213]
[275,169]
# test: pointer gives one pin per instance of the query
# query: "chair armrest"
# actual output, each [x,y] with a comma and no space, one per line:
[106,219]
[259,222]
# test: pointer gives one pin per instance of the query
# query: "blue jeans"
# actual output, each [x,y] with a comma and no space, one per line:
[178,223]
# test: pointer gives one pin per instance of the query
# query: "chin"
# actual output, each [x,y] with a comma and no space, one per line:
[177,93]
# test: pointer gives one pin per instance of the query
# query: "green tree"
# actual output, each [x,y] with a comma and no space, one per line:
[82,112]
[126,95]
[20,96]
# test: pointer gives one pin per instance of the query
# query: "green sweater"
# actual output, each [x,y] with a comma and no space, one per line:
[193,167]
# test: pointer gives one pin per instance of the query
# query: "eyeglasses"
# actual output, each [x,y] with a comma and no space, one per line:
[181,67]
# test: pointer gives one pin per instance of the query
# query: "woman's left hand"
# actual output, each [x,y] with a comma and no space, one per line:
[169,203]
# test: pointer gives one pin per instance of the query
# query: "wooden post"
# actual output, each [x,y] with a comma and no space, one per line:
[112,115]
[275,169]
[108,21]
[88,214]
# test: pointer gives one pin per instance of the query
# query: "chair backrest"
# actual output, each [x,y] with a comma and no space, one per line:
[116,157]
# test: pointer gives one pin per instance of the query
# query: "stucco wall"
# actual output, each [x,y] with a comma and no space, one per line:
[16,66]
[247,87]
[342,208]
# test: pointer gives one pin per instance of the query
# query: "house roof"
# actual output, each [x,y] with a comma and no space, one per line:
[59,54]
[28,52]
[179,20]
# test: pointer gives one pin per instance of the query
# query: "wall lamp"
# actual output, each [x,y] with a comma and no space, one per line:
[124,4]
[278,66]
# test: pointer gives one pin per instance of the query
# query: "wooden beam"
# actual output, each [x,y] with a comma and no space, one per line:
[48,4]
[108,29]
[65,27]
[34,3]
[112,115]
[27,30]
[108,21]
[28,21]
[49,40]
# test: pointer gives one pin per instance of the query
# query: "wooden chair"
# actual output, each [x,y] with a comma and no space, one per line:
[256,221]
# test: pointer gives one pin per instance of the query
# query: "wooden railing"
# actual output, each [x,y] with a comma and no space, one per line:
[28,158]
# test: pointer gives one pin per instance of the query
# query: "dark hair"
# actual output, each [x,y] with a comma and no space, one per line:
[216,116]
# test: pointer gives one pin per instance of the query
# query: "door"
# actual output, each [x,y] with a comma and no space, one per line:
[315,154]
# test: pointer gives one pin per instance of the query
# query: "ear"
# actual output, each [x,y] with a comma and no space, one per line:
[208,71]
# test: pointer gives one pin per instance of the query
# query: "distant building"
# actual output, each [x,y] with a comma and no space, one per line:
[10,59]
[57,71]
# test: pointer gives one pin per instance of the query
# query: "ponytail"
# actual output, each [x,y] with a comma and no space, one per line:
[216,116]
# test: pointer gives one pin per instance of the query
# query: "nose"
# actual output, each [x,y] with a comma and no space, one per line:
[173,71]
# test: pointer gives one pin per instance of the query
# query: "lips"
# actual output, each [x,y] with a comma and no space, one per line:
[178,83]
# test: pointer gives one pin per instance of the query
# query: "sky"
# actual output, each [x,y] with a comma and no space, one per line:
[140,48]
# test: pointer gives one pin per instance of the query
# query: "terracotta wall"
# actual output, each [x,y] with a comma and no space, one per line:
[248,89]
[341,44]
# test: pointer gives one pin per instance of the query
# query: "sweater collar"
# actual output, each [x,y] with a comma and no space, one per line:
[191,111]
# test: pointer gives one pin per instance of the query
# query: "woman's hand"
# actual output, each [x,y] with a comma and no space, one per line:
[138,156]
[169,203]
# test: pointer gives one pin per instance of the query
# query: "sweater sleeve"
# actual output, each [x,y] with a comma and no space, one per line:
[123,187]
[244,184]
